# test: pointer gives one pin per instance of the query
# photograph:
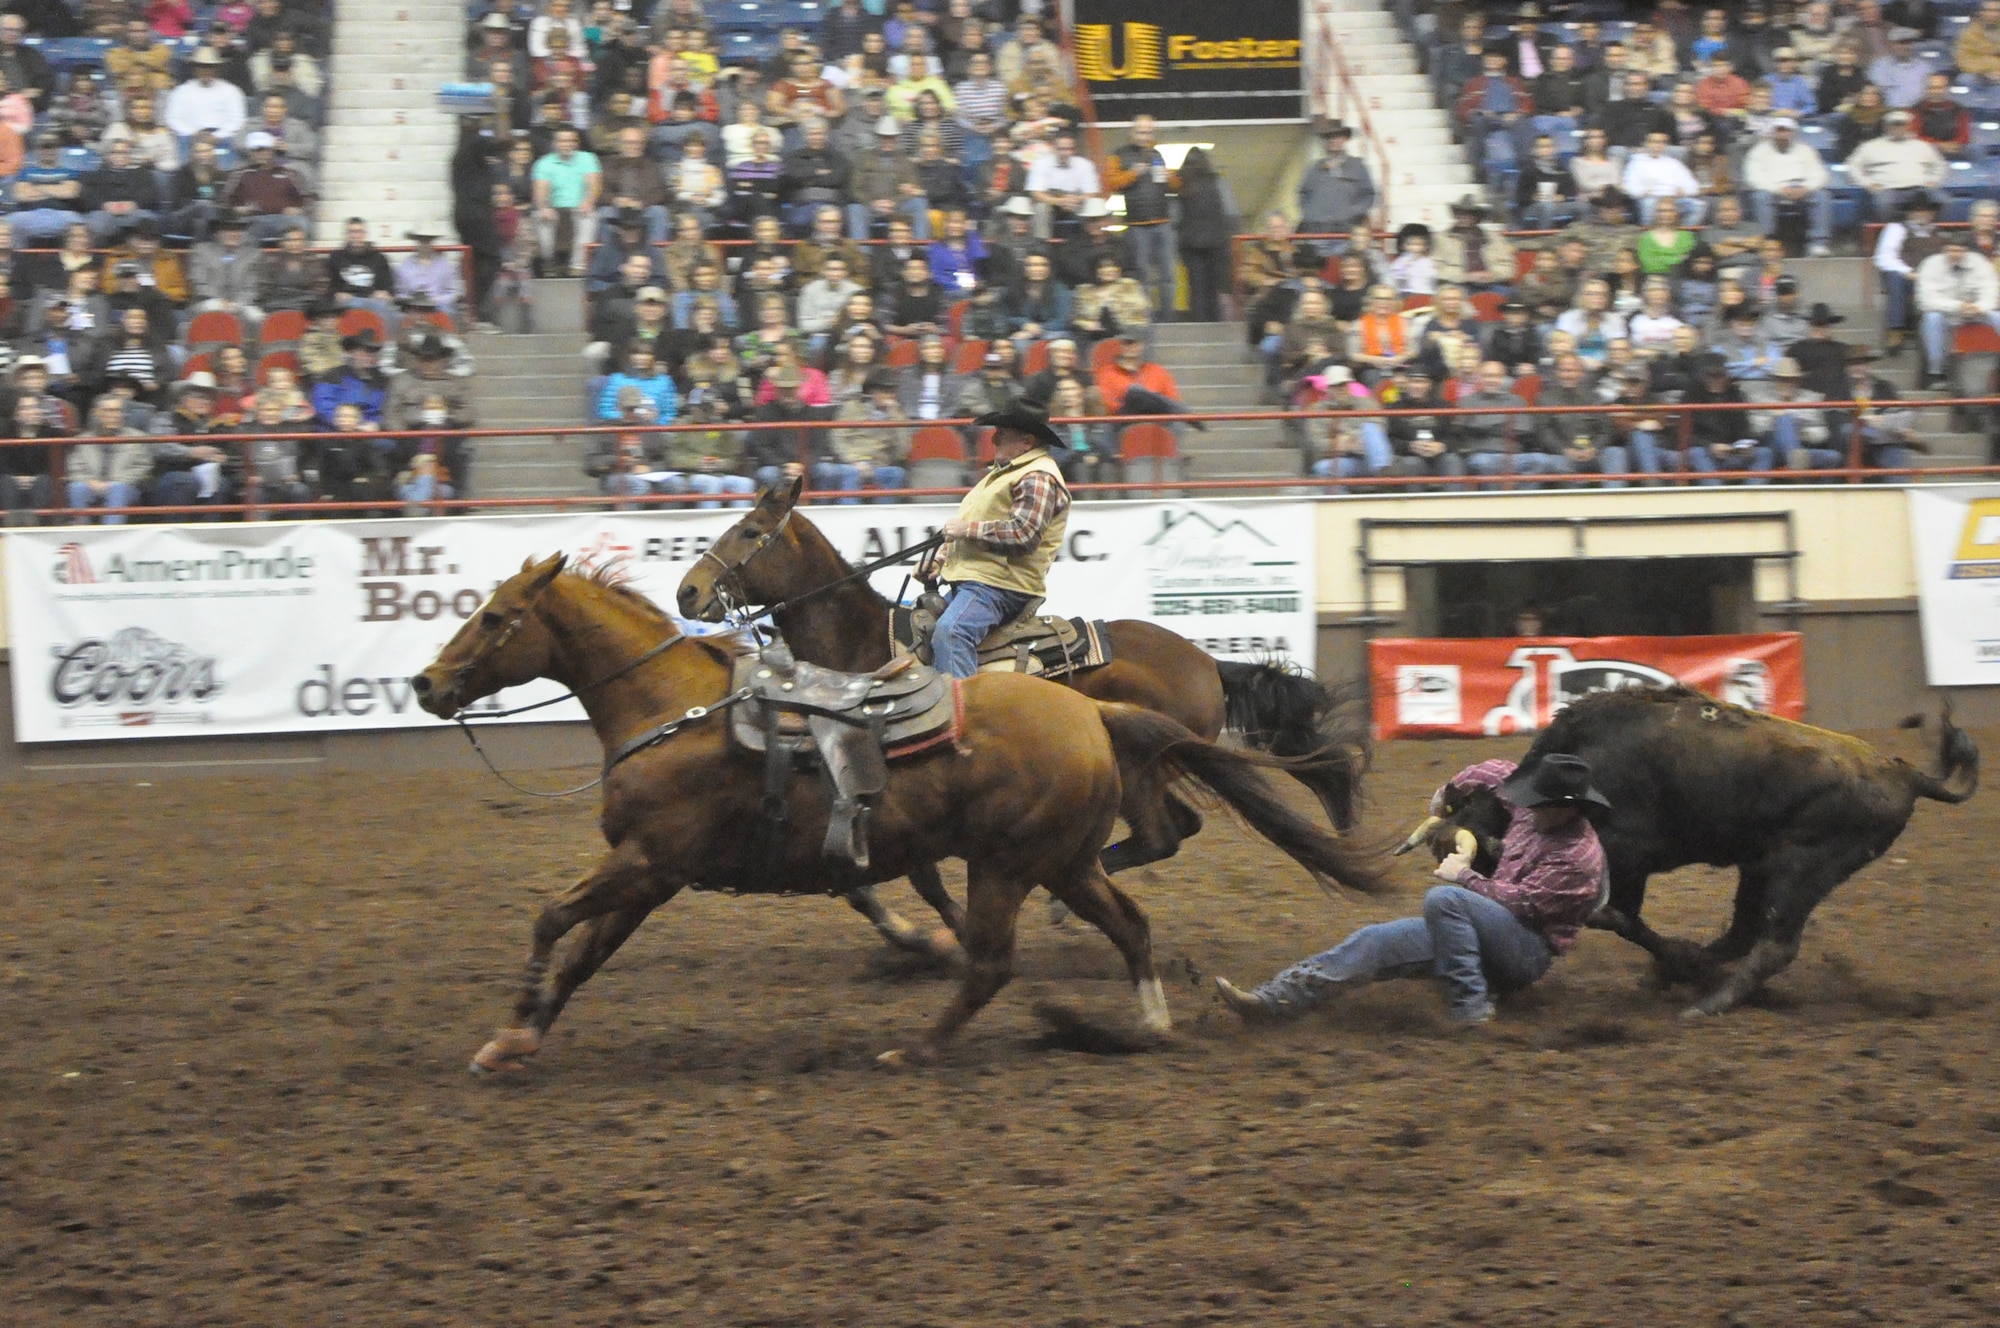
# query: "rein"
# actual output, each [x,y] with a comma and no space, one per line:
[738,601]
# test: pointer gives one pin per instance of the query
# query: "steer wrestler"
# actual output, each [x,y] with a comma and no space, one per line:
[1477,935]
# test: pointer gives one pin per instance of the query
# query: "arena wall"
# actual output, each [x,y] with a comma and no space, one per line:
[1854,600]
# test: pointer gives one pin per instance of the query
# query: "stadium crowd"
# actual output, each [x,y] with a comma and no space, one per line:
[159,183]
[889,219]
[1666,161]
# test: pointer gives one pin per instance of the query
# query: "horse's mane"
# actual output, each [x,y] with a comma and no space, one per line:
[615,577]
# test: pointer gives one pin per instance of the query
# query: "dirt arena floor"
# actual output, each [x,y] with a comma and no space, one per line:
[238,1015]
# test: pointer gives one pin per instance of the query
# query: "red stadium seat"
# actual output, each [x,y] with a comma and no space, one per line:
[217,327]
[438,319]
[937,443]
[955,320]
[971,354]
[282,328]
[1975,339]
[982,447]
[277,359]
[1486,305]
[1528,387]
[1137,441]
[1036,360]
[1524,261]
[1413,302]
[1103,353]
[198,363]
[902,353]
[357,320]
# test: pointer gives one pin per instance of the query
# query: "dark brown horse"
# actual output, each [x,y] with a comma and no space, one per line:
[776,556]
[1027,798]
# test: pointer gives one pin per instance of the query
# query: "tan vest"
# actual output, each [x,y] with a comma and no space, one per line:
[992,499]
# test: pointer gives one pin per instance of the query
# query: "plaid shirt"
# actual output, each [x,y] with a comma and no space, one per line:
[1550,881]
[1037,500]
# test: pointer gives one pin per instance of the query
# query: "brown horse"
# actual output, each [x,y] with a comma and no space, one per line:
[1027,797]
[776,556]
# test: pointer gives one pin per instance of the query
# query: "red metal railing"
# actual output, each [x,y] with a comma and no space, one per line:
[1853,472]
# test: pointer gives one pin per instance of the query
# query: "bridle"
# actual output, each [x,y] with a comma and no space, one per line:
[728,583]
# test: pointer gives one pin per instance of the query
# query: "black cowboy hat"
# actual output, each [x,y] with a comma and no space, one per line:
[430,346]
[1557,780]
[365,339]
[1023,418]
[1822,315]
[1923,200]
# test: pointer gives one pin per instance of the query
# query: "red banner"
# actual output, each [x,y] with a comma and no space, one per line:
[1491,686]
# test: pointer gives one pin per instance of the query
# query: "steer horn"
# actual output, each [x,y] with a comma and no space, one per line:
[1419,835]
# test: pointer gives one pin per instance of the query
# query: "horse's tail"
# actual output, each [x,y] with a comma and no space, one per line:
[1236,779]
[1285,711]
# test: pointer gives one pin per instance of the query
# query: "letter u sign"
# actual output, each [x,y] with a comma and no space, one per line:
[1096,63]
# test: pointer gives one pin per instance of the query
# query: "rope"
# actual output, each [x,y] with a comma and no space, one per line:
[866,569]
[498,774]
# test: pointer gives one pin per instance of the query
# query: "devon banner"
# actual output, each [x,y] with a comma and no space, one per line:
[173,631]
[1190,59]
[1956,530]
[1492,686]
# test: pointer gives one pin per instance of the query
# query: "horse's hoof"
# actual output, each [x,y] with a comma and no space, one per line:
[892,1060]
[902,1059]
[941,944]
[508,1050]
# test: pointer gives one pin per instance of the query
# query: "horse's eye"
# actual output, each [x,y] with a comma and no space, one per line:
[490,619]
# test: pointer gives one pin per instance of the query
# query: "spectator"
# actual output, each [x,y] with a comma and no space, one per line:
[48,195]
[915,307]
[295,139]
[1788,415]
[1545,190]
[1474,252]
[867,458]
[1783,323]
[1902,247]
[1592,323]
[1821,357]
[108,475]
[191,474]
[1663,246]
[1413,271]
[779,454]
[430,395]
[227,274]
[429,273]
[1652,329]
[843,27]
[1381,341]
[995,387]
[1734,241]
[266,191]
[1113,305]
[1654,174]
[1605,232]
[1977,51]
[1629,121]
[698,188]
[1953,287]
[1895,167]
[358,275]
[206,102]
[1781,172]
[1059,183]
[1139,172]
[822,298]
[358,383]
[272,464]
[291,277]
[754,183]
[706,285]
[567,184]
[1355,448]
[634,182]
[641,370]
[884,184]
[1131,384]
[25,69]
[1901,72]
[1092,452]
[1037,305]
[1425,445]
[120,193]
[1571,444]
[814,179]
[1492,109]
[1634,426]
[140,59]
[827,240]
[1939,119]
[1514,340]
[1209,217]
[1882,431]
[1721,440]
[1039,389]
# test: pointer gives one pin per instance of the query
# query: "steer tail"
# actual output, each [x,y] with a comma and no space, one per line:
[1236,778]
[1285,711]
[1957,778]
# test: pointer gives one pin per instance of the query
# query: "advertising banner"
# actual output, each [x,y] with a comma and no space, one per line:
[1957,535]
[1492,686]
[156,631]
[1190,59]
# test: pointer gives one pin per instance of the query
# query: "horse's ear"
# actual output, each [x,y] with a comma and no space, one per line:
[792,491]
[546,572]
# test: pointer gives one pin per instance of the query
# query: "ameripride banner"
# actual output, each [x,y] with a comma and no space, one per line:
[298,627]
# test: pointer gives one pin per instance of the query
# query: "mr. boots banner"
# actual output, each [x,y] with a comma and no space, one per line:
[1190,59]
[158,631]
[1469,688]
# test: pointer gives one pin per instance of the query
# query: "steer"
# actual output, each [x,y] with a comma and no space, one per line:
[1795,809]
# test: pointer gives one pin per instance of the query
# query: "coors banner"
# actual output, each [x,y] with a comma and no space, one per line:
[154,631]
[1190,59]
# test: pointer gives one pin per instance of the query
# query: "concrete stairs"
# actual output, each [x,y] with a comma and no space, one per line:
[388,147]
[527,380]
[1428,172]
[1217,371]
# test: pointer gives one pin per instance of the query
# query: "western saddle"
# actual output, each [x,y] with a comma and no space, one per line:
[849,725]
[1030,642]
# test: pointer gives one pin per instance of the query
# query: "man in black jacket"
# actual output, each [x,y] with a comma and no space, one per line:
[119,194]
[777,454]
[1626,123]
[814,176]
[1139,172]
[358,275]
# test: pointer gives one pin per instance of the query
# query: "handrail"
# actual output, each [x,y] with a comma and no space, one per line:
[1853,472]
[1338,98]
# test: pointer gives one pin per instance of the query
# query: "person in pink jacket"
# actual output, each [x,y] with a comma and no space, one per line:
[1478,935]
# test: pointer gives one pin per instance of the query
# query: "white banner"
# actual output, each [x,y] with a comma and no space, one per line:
[154,631]
[1956,531]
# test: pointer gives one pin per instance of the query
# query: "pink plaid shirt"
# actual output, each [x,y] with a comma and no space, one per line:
[1552,881]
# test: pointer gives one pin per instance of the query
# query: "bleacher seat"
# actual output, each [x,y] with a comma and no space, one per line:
[282,328]
[1103,353]
[902,353]
[970,355]
[355,320]
[1148,454]
[982,447]
[739,46]
[1486,305]
[937,459]
[277,359]
[68,53]
[1975,339]
[200,362]
[81,160]
[1528,387]
[1036,360]
[217,327]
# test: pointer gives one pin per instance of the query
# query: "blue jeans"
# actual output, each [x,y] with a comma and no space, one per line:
[1377,456]
[31,226]
[1896,290]
[841,477]
[1540,216]
[1153,255]
[1653,458]
[1798,454]
[1692,210]
[738,486]
[116,494]
[1473,945]
[1936,330]
[1752,458]
[656,222]
[1521,463]
[973,611]
[1819,214]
